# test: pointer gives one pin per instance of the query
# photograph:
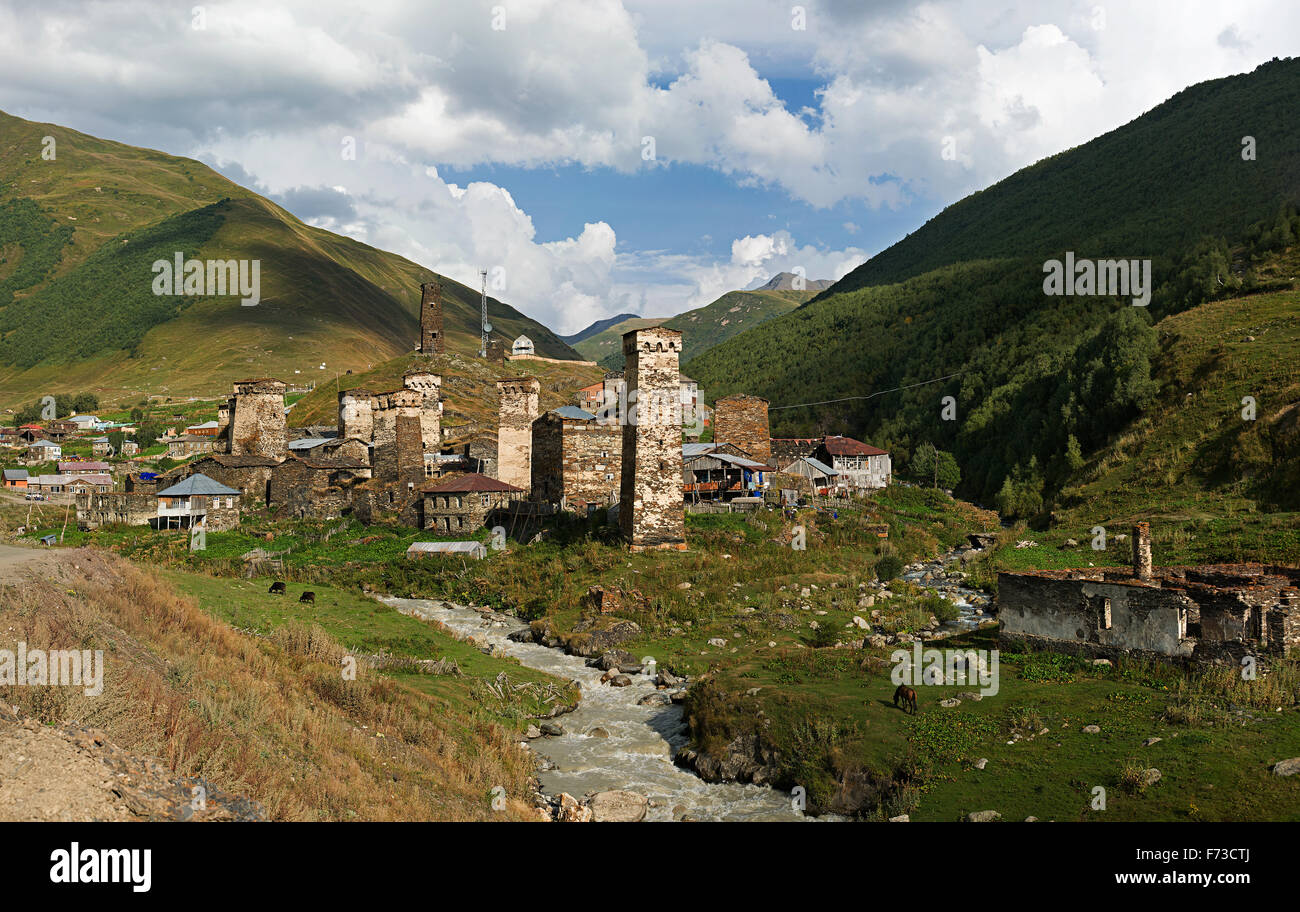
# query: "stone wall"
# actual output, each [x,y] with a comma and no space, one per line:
[463,511]
[111,507]
[257,420]
[1207,614]
[742,420]
[429,386]
[785,450]
[307,489]
[249,474]
[576,459]
[431,338]
[518,410]
[357,414]
[651,513]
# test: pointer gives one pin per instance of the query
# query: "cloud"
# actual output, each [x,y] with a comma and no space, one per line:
[272,92]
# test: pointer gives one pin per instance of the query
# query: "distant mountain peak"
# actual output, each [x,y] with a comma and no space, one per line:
[785,281]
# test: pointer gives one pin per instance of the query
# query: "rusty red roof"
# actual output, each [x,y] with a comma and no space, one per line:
[471,482]
[847,446]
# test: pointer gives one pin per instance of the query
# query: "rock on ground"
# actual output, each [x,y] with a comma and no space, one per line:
[617,807]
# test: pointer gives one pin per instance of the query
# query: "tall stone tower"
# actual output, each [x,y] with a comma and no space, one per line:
[650,512]
[399,448]
[257,421]
[519,409]
[356,414]
[431,340]
[429,386]
[742,422]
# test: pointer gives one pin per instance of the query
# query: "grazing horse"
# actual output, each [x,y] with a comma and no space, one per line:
[276,589]
[308,597]
[908,696]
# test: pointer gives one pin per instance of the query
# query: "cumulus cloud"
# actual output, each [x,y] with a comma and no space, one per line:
[916,104]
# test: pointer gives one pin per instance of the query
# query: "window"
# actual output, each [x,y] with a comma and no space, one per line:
[1103,613]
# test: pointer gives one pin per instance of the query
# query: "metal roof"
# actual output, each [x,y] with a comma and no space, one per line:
[452,547]
[690,450]
[15,474]
[817,464]
[197,485]
[308,443]
[572,411]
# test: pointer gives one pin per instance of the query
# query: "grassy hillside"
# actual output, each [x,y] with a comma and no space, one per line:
[606,346]
[701,328]
[78,235]
[1040,384]
[596,327]
[220,681]
[1151,187]
[469,387]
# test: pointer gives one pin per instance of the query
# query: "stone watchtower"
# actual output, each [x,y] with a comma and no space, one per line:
[519,409]
[650,512]
[742,422]
[431,340]
[399,449]
[429,386]
[257,421]
[357,414]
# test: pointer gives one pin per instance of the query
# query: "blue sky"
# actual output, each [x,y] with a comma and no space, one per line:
[508,135]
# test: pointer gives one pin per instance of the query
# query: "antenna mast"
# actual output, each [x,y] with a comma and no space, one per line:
[486,326]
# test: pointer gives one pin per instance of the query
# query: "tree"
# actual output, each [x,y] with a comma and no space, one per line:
[935,467]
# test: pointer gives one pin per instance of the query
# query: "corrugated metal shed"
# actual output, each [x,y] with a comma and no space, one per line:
[474,549]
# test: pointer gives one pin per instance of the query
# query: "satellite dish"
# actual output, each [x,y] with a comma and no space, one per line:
[487,327]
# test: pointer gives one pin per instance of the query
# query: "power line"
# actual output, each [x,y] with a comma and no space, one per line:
[774,408]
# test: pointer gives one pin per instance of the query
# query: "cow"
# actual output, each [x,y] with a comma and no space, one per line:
[276,589]
[308,597]
[908,696]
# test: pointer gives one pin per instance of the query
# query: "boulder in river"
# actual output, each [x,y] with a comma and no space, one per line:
[617,807]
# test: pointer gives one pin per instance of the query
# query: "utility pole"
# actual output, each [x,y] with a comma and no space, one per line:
[486,326]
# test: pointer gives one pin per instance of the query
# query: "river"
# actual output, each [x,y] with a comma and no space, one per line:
[642,740]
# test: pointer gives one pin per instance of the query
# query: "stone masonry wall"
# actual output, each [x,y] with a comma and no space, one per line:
[357,414]
[651,513]
[257,420]
[429,386]
[518,411]
[742,420]
[431,338]
[572,458]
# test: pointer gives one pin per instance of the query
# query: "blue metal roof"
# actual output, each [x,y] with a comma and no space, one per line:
[198,485]
[572,411]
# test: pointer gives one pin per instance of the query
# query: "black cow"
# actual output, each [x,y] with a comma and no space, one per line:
[308,597]
[276,589]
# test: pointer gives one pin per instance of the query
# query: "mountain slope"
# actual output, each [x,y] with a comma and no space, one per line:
[1145,189]
[598,326]
[703,327]
[1037,382]
[78,236]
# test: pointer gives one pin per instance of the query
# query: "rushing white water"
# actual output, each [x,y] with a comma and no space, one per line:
[636,755]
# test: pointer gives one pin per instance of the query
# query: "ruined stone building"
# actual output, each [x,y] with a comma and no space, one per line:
[305,487]
[431,339]
[1205,614]
[651,513]
[576,459]
[257,425]
[742,421]
[517,412]
[466,504]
